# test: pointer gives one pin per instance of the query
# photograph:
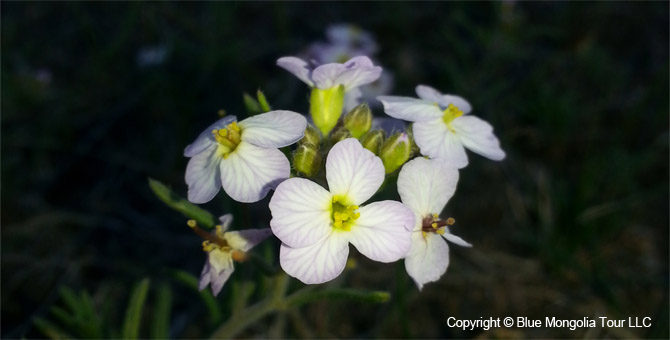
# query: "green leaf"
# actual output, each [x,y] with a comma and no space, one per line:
[303,297]
[50,330]
[203,217]
[252,106]
[160,329]
[191,281]
[131,325]
[262,101]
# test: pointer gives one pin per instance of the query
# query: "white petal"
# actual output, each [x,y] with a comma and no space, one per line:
[428,258]
[477,135]
[433,95]
[225,221]
[358,71]
[274,129]
[202,175]
[250,172]
[205,275]
[318,263]
[217,281]
[426,186]
[353,171]
[436,141]
[244,240]
[411,109]
[300,212]
[456,240]
[382,232]
[298,67]
[325,76]
[206,138]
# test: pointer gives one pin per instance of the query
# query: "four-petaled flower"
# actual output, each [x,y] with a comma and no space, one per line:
[242,157]
[425,186]
[223,247]
[316,225]
[442,127]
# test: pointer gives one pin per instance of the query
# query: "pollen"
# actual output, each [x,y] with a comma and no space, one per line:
[450,113]
[343,215]
[228,138]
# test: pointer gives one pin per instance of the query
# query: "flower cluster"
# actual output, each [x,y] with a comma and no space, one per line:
[318,208]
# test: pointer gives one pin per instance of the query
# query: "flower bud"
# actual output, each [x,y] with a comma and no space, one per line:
[326,106]
[359,120]
[373,140]
[312,136]
[395,151]
[307,159]
[338,135]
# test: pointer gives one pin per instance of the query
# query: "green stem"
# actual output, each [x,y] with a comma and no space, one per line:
[307,296]
[251,314]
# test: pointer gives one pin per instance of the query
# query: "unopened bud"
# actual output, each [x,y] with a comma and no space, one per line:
[340,134]
[307,159]
[373,140]
[325,106]
[312,136]
[395,151]
[359,120]
[262,101]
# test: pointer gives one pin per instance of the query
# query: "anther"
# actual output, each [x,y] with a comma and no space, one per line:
[451,221]
[192,223]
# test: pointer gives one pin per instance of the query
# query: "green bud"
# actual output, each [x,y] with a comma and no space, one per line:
[373,140]
[262,101]
[312,136]
[359,120]
[307,159]
[395,151]
[338,135]
[326,106]
[252,106]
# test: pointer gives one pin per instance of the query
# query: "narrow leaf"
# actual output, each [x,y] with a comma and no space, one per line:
[160,329]
[203,217]
[263,102]
[337,294]
[131,325]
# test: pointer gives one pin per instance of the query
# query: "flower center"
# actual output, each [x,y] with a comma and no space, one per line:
[343,215]
[228,139]
[215,241]
[433,224]
[450,113]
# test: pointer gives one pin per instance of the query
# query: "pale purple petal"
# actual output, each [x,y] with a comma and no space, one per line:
[246,239]
[353,172]
[300,212]
[411,109]
[435,140]
[203,175]
[382,232]
[249,172]
[325,76]
[428,93]
[456,239]
[319,263]
[206,138]
[274,129]
[298,67]
[477,135]
[358,71]
[218,281]
[428,258]
[426,186]
[225,221]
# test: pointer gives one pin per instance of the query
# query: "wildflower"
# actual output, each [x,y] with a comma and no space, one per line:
[425,186]
[442,127]
[222,248]
[316,225]
[242,157]
[330,82]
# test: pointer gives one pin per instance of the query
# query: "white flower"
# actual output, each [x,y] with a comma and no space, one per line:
[222,248]
[425,186]
[243,158]
[442,127]
[316,225]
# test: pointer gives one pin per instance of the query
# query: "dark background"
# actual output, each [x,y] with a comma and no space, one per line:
[572,224]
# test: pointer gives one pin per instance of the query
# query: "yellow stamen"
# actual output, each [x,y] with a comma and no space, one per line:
[192,223]
[440,231]
[450,113]
[228,138]
[343,215]
[451,221]
[434,225]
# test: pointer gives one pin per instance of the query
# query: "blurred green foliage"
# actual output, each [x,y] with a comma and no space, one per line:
[96,97]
